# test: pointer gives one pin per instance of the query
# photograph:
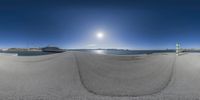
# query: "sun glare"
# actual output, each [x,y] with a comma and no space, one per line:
[100,35]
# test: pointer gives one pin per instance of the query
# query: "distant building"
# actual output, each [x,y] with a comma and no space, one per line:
[34,49]
[17,49]
[4,49]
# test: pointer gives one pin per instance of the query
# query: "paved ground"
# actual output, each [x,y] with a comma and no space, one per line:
[125,75]
[56,77]
[186,78]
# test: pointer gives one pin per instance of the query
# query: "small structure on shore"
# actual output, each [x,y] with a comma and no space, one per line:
[177,49]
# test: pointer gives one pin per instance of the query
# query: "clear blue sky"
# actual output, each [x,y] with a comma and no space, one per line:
[139,24]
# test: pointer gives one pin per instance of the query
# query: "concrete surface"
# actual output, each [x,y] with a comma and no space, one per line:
[82,76]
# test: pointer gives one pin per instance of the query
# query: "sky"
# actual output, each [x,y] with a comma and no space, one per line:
[125,24]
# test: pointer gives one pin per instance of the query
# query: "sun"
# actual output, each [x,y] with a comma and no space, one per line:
[100,35]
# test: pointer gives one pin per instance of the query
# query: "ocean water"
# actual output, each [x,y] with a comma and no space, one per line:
[27,53]
[126,52]
[97,51]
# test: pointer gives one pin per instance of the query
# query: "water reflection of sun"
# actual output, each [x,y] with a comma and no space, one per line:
[99,51]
